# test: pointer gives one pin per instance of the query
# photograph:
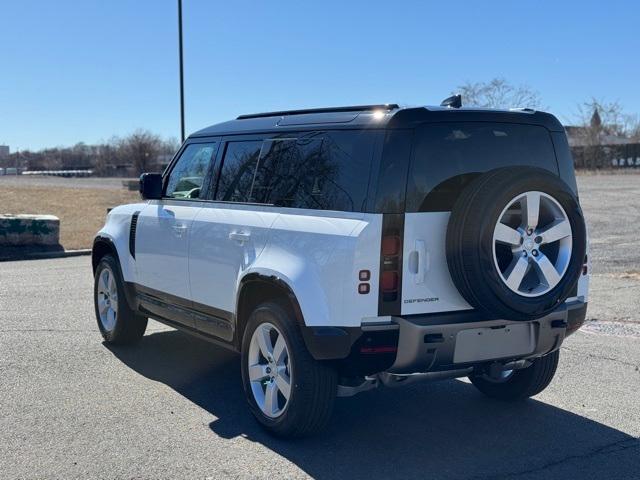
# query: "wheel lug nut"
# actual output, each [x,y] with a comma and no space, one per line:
[524,254]
[529,231]
[535,253]
[538,239]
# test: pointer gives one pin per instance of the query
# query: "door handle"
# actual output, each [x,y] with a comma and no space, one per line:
[423,261]
[179,229]
[240,237]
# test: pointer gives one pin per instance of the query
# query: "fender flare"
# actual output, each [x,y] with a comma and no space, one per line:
[324,343]
[103,245]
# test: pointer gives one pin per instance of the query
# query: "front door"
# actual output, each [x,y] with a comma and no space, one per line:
[163,230]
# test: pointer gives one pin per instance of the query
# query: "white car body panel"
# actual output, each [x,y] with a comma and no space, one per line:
[427,286]
[162,245]
[319,257]
[216,259]
[116,229]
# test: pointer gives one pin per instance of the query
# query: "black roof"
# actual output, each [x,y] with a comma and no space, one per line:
[372,116]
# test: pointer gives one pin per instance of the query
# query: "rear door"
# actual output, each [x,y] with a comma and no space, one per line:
[227,236]
[445,158]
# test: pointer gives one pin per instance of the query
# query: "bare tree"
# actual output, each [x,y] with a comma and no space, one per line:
[603,128]
[142,149]
[498,93]
[607,118]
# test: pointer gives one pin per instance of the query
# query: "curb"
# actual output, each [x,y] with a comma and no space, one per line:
[46,255]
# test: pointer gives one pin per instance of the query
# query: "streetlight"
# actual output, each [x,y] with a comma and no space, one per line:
[181,71]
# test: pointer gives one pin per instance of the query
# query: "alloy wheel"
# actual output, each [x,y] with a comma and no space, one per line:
[532,244]
[107,298]
[270,373]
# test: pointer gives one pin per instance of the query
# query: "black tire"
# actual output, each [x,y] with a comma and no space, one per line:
[314,384]
[129,325]
[523,383]
[469,246]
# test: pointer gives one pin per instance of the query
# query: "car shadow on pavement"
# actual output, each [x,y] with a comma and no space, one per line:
[429,430]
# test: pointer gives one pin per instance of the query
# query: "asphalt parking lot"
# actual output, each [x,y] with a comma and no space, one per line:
[172,407]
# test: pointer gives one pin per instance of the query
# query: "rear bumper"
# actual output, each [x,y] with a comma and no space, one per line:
[423,343]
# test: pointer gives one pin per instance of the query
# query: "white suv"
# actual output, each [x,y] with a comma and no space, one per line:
[342,248]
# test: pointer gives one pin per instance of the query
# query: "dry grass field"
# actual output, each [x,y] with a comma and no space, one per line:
[81,210]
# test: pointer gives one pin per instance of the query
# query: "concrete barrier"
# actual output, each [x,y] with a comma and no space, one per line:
[29,230]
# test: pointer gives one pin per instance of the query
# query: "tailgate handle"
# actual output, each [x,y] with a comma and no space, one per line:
[423,261]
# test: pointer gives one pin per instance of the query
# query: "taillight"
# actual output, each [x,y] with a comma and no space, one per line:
[390,284]
[390,276]
[390,245]
[389,281]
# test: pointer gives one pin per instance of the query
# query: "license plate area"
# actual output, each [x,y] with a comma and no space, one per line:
[479,344]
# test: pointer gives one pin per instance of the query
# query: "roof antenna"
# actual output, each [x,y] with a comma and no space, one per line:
[454,101]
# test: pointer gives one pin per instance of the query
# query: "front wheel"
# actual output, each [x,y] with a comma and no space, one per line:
[117,321]
[289,392]
[520,384]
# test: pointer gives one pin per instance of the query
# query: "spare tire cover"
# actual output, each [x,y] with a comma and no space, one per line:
[516,243]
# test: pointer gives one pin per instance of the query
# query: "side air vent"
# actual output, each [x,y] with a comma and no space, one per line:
[132,234]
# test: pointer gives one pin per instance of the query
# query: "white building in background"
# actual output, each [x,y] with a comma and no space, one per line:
[4,151]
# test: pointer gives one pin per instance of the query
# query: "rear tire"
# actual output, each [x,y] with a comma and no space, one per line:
[522,383]
[312,384]
[117,321]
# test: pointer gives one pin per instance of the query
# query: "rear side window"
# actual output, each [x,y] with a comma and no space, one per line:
[448,156]
[312,170]
[238,168]
[288,174]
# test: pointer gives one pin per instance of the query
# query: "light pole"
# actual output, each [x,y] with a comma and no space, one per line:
[181,71]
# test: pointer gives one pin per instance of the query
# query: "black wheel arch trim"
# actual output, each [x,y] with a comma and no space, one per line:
[102,246]
[323,343]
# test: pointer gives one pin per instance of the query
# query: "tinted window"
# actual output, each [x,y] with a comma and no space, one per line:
[316,170]
[448,156]
[187,176]
[238,168]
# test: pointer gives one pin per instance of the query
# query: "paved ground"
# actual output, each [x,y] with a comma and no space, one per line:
[612,207]
[173,407]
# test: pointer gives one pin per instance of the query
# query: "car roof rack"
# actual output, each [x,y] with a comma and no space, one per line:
[355,108]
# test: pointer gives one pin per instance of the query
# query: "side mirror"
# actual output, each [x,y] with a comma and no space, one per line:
[151,186]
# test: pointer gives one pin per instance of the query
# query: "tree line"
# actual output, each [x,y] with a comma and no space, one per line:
[598,121]
[138,152]
[595,126]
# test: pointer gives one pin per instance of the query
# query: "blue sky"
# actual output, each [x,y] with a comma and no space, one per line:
[85,70]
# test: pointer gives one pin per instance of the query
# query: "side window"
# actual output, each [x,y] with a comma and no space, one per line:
[187,176]
[287,173]
[238,169]
[317,170]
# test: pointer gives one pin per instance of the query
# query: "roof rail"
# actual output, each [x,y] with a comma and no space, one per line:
[355,108]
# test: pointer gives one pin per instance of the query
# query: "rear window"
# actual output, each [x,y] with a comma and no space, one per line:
[448,156]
